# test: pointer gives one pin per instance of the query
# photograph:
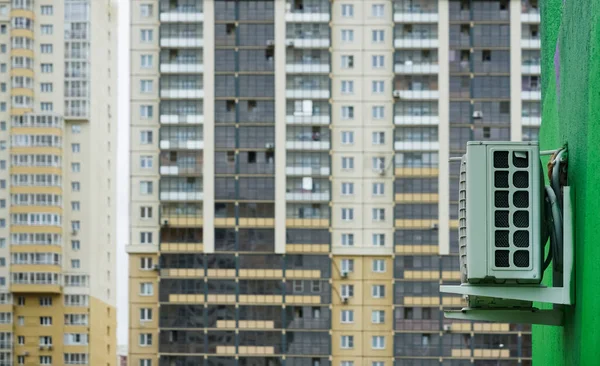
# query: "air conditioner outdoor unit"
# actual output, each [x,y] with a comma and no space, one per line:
[447,327]
[269,146]
[396,93]
[344,274]
[165,222]
[270,42]
[505,216]
[478,114]
[289,43]
[380,171]
[156,267]
[25,354]
[344,300]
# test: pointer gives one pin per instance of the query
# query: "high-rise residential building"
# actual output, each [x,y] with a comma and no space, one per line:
[292,198]
[57,182]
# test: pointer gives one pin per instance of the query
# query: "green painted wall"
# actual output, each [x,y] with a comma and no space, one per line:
[571,114]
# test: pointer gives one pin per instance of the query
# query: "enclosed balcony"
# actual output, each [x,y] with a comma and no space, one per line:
[307,112]
[421,87]
[530,11]
[307,215]
[416,11]
[181,11]
[181,189]
[181,87]
[180,214]
[307,138]
[416,62]
[531,114]
[416,36]
[303,61]
[307,35]
[531,62]
[181,35]
[307,11]
[181,162]
[416,138]
[530,36]
[35,282]
[307,189]
[307,163]
[184,61]
[181,112]
[531,88]
[416,113]
[307,86]
[181,137]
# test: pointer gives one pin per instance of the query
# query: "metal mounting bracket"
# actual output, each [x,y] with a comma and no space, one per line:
[562,295]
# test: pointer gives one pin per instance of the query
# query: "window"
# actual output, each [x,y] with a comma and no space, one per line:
[347,316]
[75,263]
[146,162]
[75,167]
[378,35]
[347,62]
[145,314]
[347,86]
[146,35]
[378,316]
[347,188]
[347,35]
[378,214]
[347,240]
[146,289]
[21,340]
[378,189]
[46,48]
[378,291]
[347,10]
[378,86]
[146,111]
[146,86]
[47,106]
[146,237]
[347,341]
[75,186]
[145,362]
[75,129]
[146,187]
[298,286]
[75,206]
[377,10]
[145,339]
[47,29]
[146,10]
[378,240]
[377,112]
[146,212]
[75,225]
[47,10]
[45,320]
[315,286]
[20,360]
[45,341]
[347,266]
[146,61]
[45,360]
[378,265]
[378,342]
[146,137]
[347,137]
[347,162]
[378,163]
[347,291]
[45,301]
[347,363]
[347,214]
[46,87]
[347,112]
[377,61]
[378,138]
[75,244]
[47,68]
[146,263]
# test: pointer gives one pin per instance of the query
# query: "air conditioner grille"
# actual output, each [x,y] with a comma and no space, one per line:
[501,199]
[521,258]
[520,199]
[501,179]
[521,179]
[502,238]
[521,159]
[521,239]
[462,219]
[501,219]
[500,159]
[501,258]
[521,219]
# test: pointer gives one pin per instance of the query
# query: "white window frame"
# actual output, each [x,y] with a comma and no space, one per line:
[347,342]
[347,189]
[378,86]
[347,35]
[378,240]
[378,342]
[347,162]
[378,61]
[347,10]
[347,137]
[378,266]
[347,316]
[378,112]
[145,339]
[378,35]
[378,189]
[347,240]
[145,314]
[378,137]
[378,214]
[348,112]
[378,316]
[146,263]
[347,265]
[378,291]
[146,289]
[347,214]
[377,10]
[347,61]
[347,290]
[347,87]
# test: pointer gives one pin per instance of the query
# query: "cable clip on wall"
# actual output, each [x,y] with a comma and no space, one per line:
[506,216]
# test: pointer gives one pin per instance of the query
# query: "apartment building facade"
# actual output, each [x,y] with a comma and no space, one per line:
[57,180]
[292,200]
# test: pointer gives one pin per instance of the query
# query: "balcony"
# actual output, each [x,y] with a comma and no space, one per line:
[416,146]
[411,68]
[300,92]
[182,14]
[301,118]
[417,119]
[182,93]
[531,43]
[306,138]
[416,42]
[307,196]
[182,68]
[307,12]
[176,195]
[168,118]
[306,170]
[417,94]
[534,121]
[531,69]
[408,16]
[189,144]
[307,68]
[307,145]
[530,17]
[533,95]
[182,41]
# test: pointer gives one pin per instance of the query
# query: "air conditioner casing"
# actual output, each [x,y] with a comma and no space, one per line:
[500,202]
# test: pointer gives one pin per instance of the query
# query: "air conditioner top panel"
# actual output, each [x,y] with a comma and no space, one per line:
[503,143]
